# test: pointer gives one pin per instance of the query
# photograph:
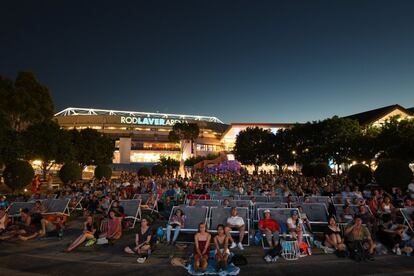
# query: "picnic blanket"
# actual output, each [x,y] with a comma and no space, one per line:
[211,270]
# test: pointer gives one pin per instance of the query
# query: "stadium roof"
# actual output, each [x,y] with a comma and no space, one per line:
[75,111]
[370,116]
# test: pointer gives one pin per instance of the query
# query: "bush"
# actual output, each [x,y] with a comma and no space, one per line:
[102,171]
[158,170]
[393,173]
[360,173]
[144,171]
[18,175]
[316,170]
[70,172]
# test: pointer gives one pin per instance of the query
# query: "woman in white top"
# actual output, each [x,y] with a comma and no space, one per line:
[295,225]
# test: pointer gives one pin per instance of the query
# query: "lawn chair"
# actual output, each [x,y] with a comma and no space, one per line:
[317,213]
[132,210]
[219,215]
[207,203]
[407,214]
[144,199]
[56,206]
[194,215]
[14,209]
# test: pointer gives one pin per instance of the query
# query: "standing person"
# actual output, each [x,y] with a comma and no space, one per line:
[271,228]
[143,242]
[221,243]
[235,222]
[177,223]
[202,248]
[90,233]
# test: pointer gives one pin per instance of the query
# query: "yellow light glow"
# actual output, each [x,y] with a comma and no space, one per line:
[37,162]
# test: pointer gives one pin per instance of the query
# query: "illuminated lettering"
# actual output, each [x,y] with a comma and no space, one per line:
[149,121]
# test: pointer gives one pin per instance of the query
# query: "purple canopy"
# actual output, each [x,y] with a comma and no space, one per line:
[225,166]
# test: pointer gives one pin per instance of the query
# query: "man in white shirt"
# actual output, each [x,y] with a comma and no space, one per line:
[235,222]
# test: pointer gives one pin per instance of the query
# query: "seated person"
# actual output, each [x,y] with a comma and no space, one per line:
[143,241]
[51,228]
[235,222]
[221,243]
[91,205]
[117,209]
[177,222]
[150,202]
[393,235]
[23,229]
[170,192]
[192,202]
[304,218]
[226,202]
[111,227]
[3,202]
[167,205]
[271,228]
[4,220]
[90,232]
[38,208]
[295,225]
[202,248]
[347,215]
[356,232]
[333,236]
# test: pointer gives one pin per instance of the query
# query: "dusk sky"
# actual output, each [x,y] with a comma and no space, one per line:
[242,61]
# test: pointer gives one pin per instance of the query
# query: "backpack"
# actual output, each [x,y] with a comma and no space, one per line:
[357,251]
[238,260]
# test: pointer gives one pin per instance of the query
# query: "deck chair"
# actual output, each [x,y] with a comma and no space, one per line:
[194,215]
[317,199]
[56,206]
[219,215]
[266,205]
[132,209]
[207,203]
[407,213]
[144,198]
[222,197]
[281,215]
[14,208]
[241,203]
[317,213]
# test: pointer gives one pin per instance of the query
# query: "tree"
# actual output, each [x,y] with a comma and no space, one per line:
[158,170]
[25,101]
[364,147]
[102,171]
[184,133]
[18,175]
[360,174]
[316,170]
[393,173]
[70,172]
[92,147]
[254,146]
[170,164]
[144,171]
[49,143]
[396,139]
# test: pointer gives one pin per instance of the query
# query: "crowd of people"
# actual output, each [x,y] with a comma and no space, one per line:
[377,221]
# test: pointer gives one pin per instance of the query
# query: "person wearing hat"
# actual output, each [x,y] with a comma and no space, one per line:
[295,225]
[270,228]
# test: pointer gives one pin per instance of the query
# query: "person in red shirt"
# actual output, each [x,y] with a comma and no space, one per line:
[271,228]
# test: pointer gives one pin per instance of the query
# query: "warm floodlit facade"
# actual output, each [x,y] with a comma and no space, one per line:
[142,137]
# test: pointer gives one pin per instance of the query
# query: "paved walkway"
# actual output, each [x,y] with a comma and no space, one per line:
[46,257]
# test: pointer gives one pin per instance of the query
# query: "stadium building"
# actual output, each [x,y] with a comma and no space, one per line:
[142,137]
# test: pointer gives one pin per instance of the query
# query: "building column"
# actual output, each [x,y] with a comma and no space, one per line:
[124,150]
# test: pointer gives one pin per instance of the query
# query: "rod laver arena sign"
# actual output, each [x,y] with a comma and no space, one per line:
[150,121]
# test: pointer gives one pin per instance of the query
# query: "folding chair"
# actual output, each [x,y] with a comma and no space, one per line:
[57,206]
[14,209]
[144,199]
[206,203]
[194,215]
[132,209]
[219,215]
[407,214]
[317,213]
